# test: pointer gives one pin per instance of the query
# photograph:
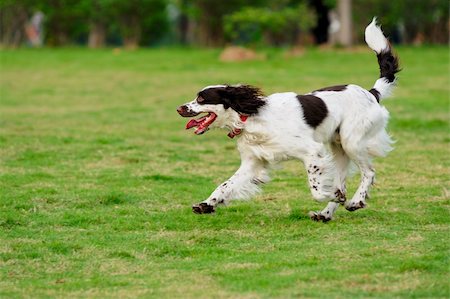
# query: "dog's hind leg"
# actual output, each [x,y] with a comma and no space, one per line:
[375,143]
[358,152]
[341,161]
[243,184]
[320,167]
[367,178]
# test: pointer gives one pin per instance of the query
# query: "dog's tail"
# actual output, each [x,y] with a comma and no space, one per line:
[387,60]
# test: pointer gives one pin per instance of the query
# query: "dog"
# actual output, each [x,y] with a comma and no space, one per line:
[328,129]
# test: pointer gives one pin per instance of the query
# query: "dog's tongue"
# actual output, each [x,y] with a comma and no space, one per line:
[202,123]
[200,130]
[192,123]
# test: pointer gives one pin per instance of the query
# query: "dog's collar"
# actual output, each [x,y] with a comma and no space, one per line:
[235,131]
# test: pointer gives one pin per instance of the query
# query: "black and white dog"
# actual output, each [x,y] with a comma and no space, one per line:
[327,129]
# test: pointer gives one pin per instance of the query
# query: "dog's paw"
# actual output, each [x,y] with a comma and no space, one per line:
[317,216]
[203,208]
[353,206]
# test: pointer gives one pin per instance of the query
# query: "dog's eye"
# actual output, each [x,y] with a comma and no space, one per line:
[200,99]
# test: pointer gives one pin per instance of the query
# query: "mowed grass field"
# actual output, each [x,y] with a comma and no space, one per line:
[98,176]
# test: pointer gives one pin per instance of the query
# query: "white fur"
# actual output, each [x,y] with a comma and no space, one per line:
[384,87]
[353,131]
[375,37]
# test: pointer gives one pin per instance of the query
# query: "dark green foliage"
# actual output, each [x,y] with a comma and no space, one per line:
[14,15]
[139,21]
[210,22]
[70,21]
[209,15]
[256,25]
[65,21]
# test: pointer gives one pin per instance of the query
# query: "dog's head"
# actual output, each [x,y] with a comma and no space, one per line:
[223,105]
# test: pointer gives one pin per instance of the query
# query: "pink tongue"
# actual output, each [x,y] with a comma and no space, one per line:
[200,130]
[202,124]
[192,123]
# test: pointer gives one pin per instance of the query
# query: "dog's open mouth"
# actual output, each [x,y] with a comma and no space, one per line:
[201,123]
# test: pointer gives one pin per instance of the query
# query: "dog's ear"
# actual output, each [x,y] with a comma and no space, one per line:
[225,98]
[244,99]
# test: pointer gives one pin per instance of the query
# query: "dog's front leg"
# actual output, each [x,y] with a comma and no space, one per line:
[243,184]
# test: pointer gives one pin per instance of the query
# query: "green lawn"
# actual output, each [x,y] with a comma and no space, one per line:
[98,176]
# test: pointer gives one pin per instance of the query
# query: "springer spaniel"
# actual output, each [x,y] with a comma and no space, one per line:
[327,129]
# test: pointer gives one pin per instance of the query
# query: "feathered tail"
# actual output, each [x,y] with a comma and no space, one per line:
[387,61]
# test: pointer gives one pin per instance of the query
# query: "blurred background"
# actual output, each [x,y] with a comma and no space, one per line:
[217,23]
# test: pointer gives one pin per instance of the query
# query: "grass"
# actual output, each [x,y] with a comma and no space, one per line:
[98,176]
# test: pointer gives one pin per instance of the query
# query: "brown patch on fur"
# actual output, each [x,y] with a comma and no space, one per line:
[389,64]
[375,93]
[244,99]
[314,109]
[332,88]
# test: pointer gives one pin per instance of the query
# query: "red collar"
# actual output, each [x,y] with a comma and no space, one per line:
[236,132]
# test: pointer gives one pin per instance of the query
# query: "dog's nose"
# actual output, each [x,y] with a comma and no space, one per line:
[185,111]
[181,109]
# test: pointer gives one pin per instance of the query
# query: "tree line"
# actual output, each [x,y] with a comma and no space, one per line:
[134,23]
